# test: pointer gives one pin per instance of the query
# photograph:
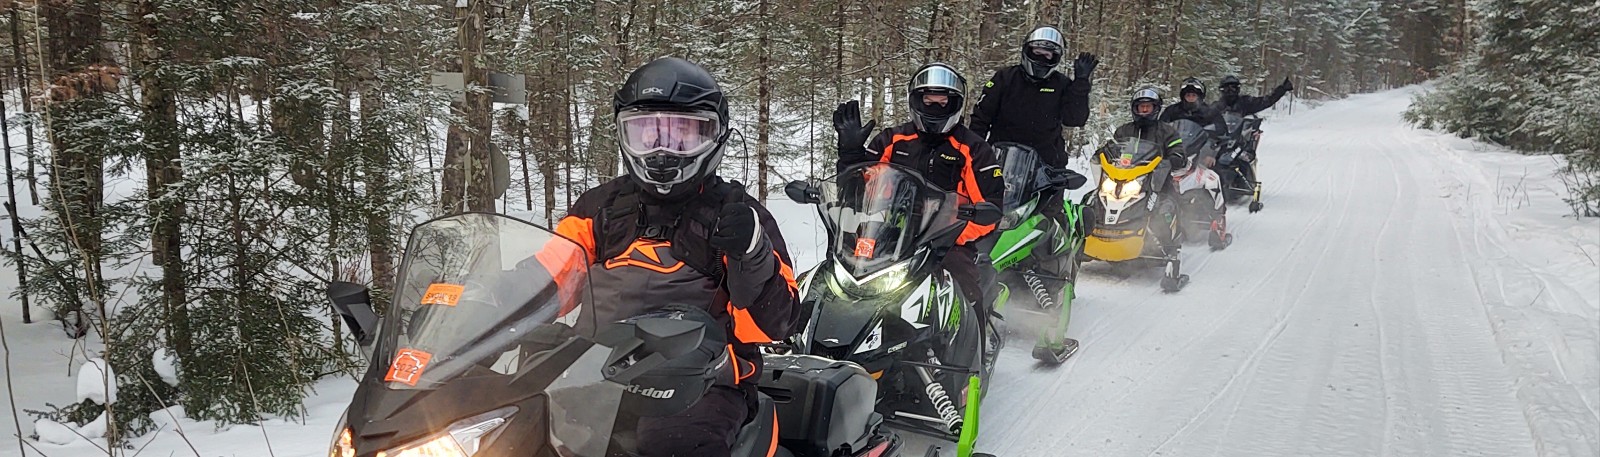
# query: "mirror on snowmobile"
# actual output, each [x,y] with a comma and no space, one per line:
[1066,179]
[353,302]
[802,192]
[981,213]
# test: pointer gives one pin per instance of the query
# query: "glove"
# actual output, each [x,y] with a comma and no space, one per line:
[737,234]
[1083,66]
[1286,87]
[852,135]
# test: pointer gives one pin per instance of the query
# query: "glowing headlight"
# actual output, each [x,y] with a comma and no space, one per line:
[461,439]
[888,280]
[1130,189]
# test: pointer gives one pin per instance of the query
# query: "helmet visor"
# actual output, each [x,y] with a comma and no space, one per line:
[684,134]
[938,77]
[1044,51]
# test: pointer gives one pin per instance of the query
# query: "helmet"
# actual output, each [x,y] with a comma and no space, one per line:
[1193,85]
[1041,52]
[1145,95]
[936,79]
[1229,87]
[677,384]
[672,120]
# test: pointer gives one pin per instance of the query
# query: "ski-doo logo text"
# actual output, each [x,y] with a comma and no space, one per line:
[652,392]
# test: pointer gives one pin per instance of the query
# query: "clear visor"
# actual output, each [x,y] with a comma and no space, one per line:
[685,134]
[937,77]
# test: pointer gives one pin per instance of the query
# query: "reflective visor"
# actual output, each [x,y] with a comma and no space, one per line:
[684,134]
[938,77]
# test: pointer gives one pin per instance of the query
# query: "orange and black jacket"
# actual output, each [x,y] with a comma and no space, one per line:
[650,254]
[959,161]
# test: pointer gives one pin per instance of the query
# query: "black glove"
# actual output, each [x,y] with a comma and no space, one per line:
[738,235]
[1286,87]
[1083,66]
[852,135]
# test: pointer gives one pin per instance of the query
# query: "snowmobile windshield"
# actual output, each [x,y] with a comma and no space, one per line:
[1195,137]
[474,290]
[1234,121]
[1020,166]
[881,213]
[1129,153]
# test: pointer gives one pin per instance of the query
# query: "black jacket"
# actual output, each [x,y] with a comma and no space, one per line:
[1198,112]
[959,161]
[1016,108]
[1246,105]
[645,255]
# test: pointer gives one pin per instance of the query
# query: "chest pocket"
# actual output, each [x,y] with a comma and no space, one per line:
[944,167]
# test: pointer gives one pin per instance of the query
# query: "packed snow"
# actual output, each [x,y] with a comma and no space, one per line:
[1403,293]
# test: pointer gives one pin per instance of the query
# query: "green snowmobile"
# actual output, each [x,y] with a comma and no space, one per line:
[1034,252]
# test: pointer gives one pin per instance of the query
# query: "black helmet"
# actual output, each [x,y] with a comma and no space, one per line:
[1145,95]
[672,120]
[677,384]
[1229,87]
[936,79]
[1041,52]
[1193,85]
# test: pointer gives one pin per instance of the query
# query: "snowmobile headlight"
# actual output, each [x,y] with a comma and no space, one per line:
[887,280]
[461,439]
[1111,190]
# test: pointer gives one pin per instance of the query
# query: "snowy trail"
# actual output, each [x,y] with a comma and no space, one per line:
[1352,317]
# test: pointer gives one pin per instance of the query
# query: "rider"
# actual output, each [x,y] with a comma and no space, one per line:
[1029,103]
[671,233]
[1193,107]
[1146,125]
[948,154]
[1246,105]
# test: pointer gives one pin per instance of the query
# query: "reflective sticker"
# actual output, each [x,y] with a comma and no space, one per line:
[997,172]
[990,83]
[408,366]
[442,294]
[865,247]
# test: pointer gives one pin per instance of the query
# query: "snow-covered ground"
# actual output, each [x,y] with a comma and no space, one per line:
[1404,293]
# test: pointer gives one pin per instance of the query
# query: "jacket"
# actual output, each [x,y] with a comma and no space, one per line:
[959,161]
[1014,107]
[1246,105]
[1198,112]
[648,254]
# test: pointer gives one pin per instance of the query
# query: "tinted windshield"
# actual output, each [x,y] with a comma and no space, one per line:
[1130,152]
[1234,120]
[1194,136]
[880,213]
[471,289]
[1020,165]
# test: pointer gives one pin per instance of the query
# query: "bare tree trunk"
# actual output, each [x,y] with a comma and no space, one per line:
[27,101]
[82,73]
[467,185]
[164,168]
[764,102]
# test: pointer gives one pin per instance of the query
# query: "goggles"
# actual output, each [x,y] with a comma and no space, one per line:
[682,134]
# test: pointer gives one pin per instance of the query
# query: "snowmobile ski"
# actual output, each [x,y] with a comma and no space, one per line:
[1058,355]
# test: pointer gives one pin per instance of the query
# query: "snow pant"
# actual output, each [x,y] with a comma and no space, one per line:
[706,429]
[969,264]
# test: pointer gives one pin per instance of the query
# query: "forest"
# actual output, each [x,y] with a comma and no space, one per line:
[201,169]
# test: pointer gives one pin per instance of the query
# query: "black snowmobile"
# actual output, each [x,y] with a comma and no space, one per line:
[880,298]
[488,351]
[1236,162]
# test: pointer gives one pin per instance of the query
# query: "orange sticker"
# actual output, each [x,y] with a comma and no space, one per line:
[865,247]
[442,294]
[408,366]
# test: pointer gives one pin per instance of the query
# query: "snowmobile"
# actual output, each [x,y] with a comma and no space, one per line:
[881,299]
[1236,163]
[1201,202]
[1035,252]
[488,350]
[1129,204]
